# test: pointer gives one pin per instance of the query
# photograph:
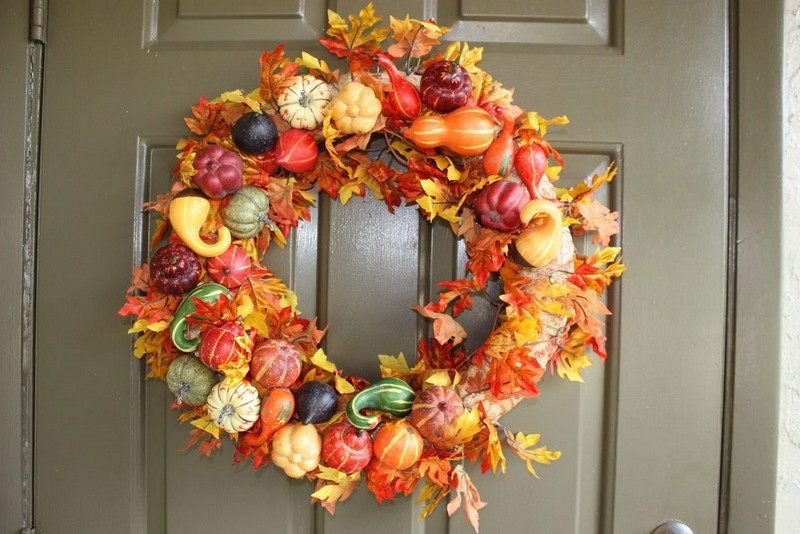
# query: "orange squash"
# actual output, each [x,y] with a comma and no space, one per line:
[276,410]
[468,131]
[539,243]
[397,445]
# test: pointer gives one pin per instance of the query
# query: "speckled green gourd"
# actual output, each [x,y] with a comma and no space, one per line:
[246,213]
[189,380]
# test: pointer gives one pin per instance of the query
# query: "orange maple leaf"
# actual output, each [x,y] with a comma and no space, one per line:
[596,217]
[277,72]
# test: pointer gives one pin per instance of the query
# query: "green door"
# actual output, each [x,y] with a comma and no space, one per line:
[644,87]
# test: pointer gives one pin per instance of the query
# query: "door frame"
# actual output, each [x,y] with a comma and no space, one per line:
[752,363]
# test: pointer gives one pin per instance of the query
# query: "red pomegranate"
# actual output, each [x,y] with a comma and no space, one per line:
[498,205]
[434,412]
[296,150]
[275,363]
[231,268]
[174,269]
[530,162]
[346,448]
[222,344]
[219,171]
[445,86]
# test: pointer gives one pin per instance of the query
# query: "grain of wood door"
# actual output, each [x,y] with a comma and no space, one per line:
[643,87]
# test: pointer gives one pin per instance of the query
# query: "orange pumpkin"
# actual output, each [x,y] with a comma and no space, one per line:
[397,445]
[468,131]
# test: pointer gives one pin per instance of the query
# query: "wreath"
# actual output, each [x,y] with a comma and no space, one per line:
[436,131]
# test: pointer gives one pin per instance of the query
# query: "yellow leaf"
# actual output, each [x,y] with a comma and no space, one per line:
[534,121]
[238,97]
[343,386]
[321,360]
[553,172]
[244,305]
[466,56]
[206,424]
[606,255]
[393,365]
[436,203]
[444,378]
[521,446]
[257,320]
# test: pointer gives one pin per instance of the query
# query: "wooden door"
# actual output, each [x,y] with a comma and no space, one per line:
[644,87]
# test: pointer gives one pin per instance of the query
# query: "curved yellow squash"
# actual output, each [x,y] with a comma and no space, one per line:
[540,242]
[187,215]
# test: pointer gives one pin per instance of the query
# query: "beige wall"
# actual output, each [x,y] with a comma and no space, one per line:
[788,511]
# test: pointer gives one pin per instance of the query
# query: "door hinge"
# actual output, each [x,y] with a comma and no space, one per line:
[38,29]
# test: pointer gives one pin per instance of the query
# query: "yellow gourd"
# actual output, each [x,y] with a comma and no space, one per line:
[540,242]
[187,213]
[296,449]
[356,109]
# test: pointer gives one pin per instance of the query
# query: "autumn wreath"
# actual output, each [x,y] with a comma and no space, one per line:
[226,334]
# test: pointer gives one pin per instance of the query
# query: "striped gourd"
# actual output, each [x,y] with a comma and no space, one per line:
[209,292]
[467,131]
[388,395]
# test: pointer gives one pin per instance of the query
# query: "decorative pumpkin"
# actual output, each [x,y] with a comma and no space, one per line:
[403,99]
[220,345]
[177,329]
[296,150]
[530,163]
[296,449]
[231,268]
[540,242]
[189,380]
[316,402]
[233,409]
[277,409]
[445,86]
[390,395]
[254,133]
[174,269]
[356,109]
[246,213]
[397,445]
[187,214]
[498,205]
[219,171]
[467,131]
[275,363]
[304,103]
[346,448]
[435,411]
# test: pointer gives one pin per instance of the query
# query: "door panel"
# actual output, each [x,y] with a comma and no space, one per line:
[640,439]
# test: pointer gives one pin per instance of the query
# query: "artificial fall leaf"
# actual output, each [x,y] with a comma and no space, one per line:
[397,367]
[467,57]
[597,271]
[206,445]
[357,41]
[465,496]
[445,328]
[430,496]
[437,201]
[320,360]
[277,73]
[487,253]
[595,217]
[586,309]
[435,468]
[333,486]
[571,358]
[492,456]
[463,429]
[317,67]
[534,121]
[582,189]
[414,37]
[239,97]
[206,424]
[437,355]
[207,119]
[386,483]
[516,375]
[522,445]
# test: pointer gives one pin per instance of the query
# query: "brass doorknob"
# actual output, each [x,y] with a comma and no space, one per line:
[673,526]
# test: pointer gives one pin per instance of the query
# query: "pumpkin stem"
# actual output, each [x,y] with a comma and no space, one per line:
[183,390]
[226,411]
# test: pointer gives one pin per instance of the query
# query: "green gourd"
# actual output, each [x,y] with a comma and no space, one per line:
[246,213]
[388,395]
[189,380]
[209,292]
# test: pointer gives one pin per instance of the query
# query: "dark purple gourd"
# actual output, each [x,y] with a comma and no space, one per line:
[254,133]
[316,402]
[445,86]
[174,269]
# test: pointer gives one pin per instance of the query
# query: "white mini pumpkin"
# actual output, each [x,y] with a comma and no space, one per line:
[234,409]
[303,104]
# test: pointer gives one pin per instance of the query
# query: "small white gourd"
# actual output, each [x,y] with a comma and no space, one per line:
[234,409]
[303,104]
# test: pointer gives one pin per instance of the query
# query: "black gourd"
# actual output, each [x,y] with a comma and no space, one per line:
[316,402]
